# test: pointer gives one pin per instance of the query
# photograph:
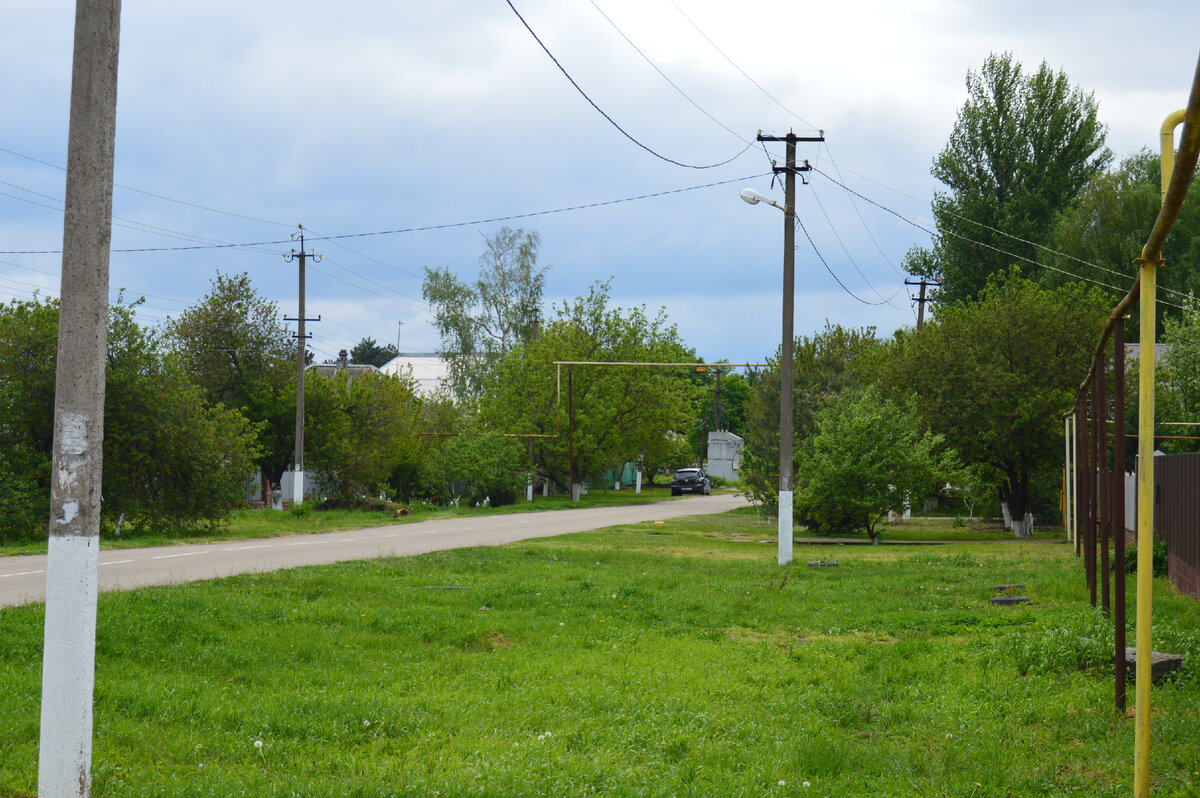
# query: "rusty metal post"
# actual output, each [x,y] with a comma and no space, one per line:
[1080,469]
[1094,436]
[1118,510]
[1103,515]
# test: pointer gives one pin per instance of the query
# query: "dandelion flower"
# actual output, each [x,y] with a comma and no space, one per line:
[805,785]
[782,783]
[541,737]
[258,743]
[366,723]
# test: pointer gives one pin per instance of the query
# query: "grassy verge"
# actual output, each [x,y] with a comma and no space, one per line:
[643,660]
[243,524]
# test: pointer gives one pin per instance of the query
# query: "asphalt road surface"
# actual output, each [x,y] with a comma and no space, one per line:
[23,578]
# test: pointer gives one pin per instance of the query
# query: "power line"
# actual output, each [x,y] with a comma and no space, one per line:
[745,74]
[422,229]
[842,243]
[663,75]
[601,111]
[153,195]
[1006,253]
[1000,232]
[833,274]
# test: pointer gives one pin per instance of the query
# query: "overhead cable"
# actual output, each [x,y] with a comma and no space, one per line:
[663,75]
[604,114]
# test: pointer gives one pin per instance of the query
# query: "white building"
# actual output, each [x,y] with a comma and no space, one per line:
[428,370]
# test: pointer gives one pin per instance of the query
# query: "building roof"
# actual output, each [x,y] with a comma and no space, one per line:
[427,369]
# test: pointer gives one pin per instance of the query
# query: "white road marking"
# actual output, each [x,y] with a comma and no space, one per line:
[115,562]
[22,573]
[171,556]
[243,548]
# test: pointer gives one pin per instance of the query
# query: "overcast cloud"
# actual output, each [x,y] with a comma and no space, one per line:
[359,117]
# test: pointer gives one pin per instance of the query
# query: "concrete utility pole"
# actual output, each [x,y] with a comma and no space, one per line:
[301,337]
[921,300]
[785,361]
[69,652]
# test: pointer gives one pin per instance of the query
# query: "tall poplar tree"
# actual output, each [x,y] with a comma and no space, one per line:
[1023,147]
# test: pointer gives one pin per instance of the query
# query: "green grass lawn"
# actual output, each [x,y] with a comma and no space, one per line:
[673,659]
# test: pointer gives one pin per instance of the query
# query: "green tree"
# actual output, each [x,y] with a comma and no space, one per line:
[1108,226]
[995,377]
[1179,377]
[824,365]
[480,322]
[170,461]
[867,456]
[234,345]
[620,413]
[360,430]
[474,468]
[369,353]
[1022,148]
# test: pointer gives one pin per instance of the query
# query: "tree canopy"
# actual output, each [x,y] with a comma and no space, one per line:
[620,412]
[170,460]
[867,455]
[481,322]
[234,345]
[1023,146]
[823,366]
[995,376]
[368,352]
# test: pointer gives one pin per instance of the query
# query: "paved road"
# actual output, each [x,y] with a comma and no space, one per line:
[23,579]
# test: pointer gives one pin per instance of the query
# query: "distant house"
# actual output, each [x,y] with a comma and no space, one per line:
[342,366]
[428,370]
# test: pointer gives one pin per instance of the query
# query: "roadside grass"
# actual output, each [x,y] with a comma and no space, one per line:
[245,524]
[648,659]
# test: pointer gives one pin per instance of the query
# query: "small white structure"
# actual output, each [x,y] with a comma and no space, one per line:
[724,454]
[428,370]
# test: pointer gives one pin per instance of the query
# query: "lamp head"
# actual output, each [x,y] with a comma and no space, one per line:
[751,196]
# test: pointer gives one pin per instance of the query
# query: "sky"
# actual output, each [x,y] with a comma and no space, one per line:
[238,121]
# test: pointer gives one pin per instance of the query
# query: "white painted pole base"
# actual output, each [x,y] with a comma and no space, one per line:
[545,488]
[638,489]
[785,527]
[69,666]
[617,485]
[529,492]
[297,488]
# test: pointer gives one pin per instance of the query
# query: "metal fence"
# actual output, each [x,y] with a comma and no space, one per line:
[1177,516]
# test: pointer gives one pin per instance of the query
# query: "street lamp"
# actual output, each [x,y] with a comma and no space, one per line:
[753,197]
[785,359]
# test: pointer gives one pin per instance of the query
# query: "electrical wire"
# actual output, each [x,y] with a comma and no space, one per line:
[153,195]
[842,243]
[422,229]
[858,211]
[919,226]
[663,75]
[833,274]
[1000,232]
[604,114]
[733,63]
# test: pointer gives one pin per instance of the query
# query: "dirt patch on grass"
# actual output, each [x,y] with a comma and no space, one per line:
[742,634]
[498,640]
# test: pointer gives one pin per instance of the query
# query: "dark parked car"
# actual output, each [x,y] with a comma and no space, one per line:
[690,480]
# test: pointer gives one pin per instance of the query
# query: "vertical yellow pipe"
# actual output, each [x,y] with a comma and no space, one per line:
[1145,526]
[1148,263]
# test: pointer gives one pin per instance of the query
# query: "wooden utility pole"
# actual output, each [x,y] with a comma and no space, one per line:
[785,361]
[301,337]
[921,299]
[69,651]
